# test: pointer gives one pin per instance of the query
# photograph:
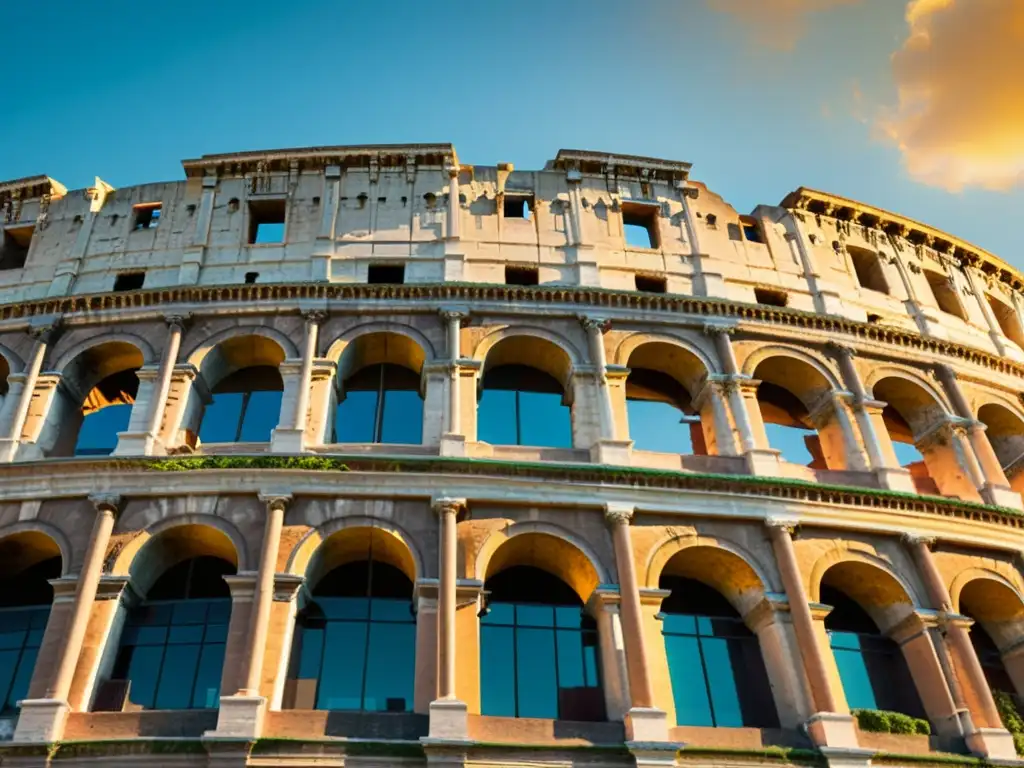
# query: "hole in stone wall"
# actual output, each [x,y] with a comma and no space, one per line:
[640,225]
[129,281]
[650,284]
[250,277]
[771,297]
[266,221]
[385,274]
[516,275]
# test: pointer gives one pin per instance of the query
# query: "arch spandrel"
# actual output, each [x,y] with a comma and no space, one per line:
[242,346]
[539,348]
[673,356]
[868,580]
[339,345]
[801,373]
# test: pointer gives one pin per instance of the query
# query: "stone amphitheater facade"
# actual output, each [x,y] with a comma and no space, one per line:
[879,328]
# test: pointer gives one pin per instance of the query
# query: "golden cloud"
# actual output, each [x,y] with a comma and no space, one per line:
[776,24]
[959,119]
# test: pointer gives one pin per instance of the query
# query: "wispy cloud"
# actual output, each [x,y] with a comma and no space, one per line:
[959,74]
[777,24]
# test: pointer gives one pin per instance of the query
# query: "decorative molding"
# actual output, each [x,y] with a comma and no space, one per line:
[446,505]
[619,514]
[104,502]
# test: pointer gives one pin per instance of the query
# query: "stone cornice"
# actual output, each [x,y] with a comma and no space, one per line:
[87,309]
[650,168]
[31,187]
[356,156]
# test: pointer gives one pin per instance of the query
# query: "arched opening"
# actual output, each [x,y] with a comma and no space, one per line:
[909,415]
[538,649]
[379,397]
[718,672]
[1005,431]
[355,637]
[659,410]
[871,665]
[998,614]
[171,649]
[95,402]
[523,398]
[246,388]
[789,390]
[29,560]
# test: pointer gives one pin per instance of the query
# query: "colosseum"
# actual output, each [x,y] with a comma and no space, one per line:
[615,475]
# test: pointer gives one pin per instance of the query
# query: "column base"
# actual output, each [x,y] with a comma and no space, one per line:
[453,444]
[993,743]
[763,462]
[240,717]
[1001,496]
[847,758]
[832,729]
[646,725]
[287,440]
[137,444]
[650,756]
[449,720]
[41,721]
[895,480]
[8,450]
[617,452]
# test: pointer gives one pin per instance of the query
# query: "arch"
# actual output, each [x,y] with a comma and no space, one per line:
[867,580]
[90,345]
[545,546]
[399,548]
[918,402]
[1004,426]
[30,536]
[679,359]
[340,346]
[12,359]
[186,535]
[537,347]
[240,347]
[807,377]
[993,602]
[715,561]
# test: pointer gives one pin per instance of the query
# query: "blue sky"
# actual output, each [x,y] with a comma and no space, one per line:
[104,89]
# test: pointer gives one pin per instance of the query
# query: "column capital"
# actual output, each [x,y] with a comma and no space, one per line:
[714,329]
[916,539]
[107,502]
[276,500]
[786,524]
[446,505]
[838,348]
[177,320]
[45,330]
[454,313]
[315,316]
[618,514]
[593,322]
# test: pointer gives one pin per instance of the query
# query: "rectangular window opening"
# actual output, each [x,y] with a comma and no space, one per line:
[518,207]
[650,284]
[751,229]
[868,267]
[771,297]
[385,274]
[521,276]
[14,247]
[129,281]
[640,225]
[1008,320]
[146,216]
[266,221]
[251,277]
[945,294]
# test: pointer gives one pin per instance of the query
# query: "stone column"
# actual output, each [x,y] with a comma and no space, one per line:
[715,421]
[323,246]
[9,443]
[607,450]
[604,607]
[447,714]
[43,720]
[987,737]
[241,715]
[830,726]
[454,258]
[950,459]
[839,443]
[644,722]
[994,487]
[291,439]
[995,331]
[453,439]
[772,622]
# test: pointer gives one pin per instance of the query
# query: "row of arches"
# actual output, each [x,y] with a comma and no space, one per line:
[354,640]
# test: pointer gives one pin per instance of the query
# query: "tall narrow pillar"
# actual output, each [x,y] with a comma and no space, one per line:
[453,439]
[241,715]
[10,442]
[644,722]
[291,439]
[43,720]
[828,727]
[607,450]
[447,713]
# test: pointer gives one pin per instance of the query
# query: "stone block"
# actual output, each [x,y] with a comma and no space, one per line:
[448,720]
[287,440]
[615,452]
[763,462]
[240,717]
[832,729]
[992,743]
[41,721]
[895,479]
[646,725]
[1002,496]
[452,444]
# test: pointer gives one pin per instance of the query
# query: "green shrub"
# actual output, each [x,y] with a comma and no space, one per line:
[1011,717]
[881,721]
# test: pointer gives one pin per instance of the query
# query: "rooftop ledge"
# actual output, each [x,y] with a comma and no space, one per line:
[785,489]
[85,309]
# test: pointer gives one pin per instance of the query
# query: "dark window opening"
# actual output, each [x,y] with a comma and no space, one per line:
[147,216]
[871,666]
[106,412]
[650,284]
[129,281]
[245,407]
[991,660]
[518,207]
[355,646]
[266,221]
[385,274]
[539,652]
[25,600]
[788,426]
[14,248]
[712,221]
[771,297]
[640,225]
[751,230]
[868,267]
[946,296]
[1008,320]
[661,417]
[715,663]
[521,275]
[172,646]
[520,405]
[251,277]
[735,233]
[381,404]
